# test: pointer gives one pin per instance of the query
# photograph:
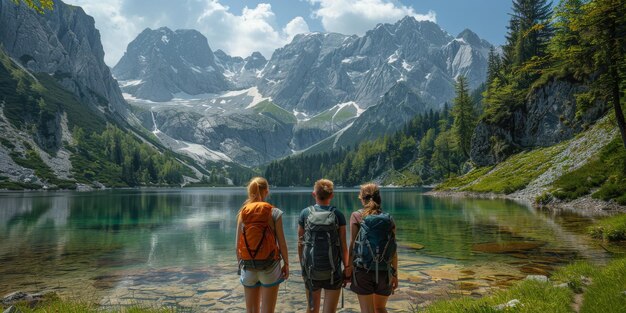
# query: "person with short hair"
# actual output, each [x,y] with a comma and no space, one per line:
[322,248]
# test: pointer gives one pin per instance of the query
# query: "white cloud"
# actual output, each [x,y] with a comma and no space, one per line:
[296,26]
[116,30]
[358,16]
[240,34]
[254,30]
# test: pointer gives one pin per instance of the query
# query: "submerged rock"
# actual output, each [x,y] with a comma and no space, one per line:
[506,247]
[411,246]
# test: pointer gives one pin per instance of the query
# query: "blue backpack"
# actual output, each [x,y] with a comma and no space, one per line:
[375,244]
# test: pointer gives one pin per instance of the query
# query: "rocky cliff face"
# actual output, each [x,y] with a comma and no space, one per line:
[396,108]
[543,121]
[316,71]
[242,73]
[63,42]
[161,63]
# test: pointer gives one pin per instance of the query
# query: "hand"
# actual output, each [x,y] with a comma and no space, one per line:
[285,271]
[394,283]
[347,275]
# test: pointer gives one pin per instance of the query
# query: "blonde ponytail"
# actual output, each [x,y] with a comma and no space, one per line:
[370,194]
[257,190]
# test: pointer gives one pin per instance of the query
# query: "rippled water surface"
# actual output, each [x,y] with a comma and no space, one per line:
[176,246]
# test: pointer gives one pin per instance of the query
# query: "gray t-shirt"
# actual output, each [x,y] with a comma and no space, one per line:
[276,214]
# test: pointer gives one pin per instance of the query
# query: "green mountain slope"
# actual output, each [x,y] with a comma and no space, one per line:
[51,140]
[593,163]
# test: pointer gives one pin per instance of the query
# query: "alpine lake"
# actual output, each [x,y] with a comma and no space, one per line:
[175,247]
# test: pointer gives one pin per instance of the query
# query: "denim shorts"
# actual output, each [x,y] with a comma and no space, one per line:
[267,278]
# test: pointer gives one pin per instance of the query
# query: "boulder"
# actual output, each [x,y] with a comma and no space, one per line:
[539,278]
[511,304]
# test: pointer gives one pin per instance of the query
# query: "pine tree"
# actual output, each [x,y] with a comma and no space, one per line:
[464,116]
[601,55]
[530,30]
[494,64]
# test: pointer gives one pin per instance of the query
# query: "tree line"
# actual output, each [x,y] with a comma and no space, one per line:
[431,147]
[580,41]
[117,158]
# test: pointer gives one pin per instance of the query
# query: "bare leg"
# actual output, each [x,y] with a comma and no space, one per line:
[253,299]
[317,295]
[366,303]
[268,298]
[380,303]
[331,299]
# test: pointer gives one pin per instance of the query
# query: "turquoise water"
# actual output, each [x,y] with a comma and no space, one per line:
[75,242]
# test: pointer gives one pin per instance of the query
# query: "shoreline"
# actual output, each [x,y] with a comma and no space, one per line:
[586,205]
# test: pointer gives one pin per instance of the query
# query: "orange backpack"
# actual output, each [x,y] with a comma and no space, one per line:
[256,245]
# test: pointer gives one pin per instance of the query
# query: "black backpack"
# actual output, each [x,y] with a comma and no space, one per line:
[375,244]
[321,252]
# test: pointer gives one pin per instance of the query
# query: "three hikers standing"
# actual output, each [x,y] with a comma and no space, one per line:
[370,265]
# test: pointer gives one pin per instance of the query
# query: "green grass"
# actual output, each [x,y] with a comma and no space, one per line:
[53,303]
[516,172]
[601,287]
[534,296]
[611,228]
[402,178]
[463,180]
[340,117]
[606,172]
[606,293]
[11,185]
[270,109]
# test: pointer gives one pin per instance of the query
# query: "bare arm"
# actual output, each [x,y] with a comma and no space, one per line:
[280,234]
[300,243]
[344,247]
[394,262]
[354,230]
[237,237]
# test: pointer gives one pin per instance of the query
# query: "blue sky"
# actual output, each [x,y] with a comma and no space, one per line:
[488,18]
[241,27]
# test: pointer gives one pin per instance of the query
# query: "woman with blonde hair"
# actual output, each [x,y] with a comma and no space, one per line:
[260,247]
[373,252]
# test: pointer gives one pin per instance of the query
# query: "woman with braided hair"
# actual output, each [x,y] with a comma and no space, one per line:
[373,252]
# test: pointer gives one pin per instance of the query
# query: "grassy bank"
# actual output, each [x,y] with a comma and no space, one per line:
[593,164]
[610,229]
[579,287]
[53,303]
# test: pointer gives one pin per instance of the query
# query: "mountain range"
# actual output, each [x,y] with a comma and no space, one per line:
[320,91]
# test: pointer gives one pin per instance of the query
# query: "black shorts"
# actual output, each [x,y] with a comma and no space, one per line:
[324,284]
[364,283]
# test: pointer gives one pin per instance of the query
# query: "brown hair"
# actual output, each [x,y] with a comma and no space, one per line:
[323,189]
[256,188]
[370,194]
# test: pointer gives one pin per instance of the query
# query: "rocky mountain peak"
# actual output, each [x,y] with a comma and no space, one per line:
[161,63]
[255,61]
[66,42]
[470,37]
